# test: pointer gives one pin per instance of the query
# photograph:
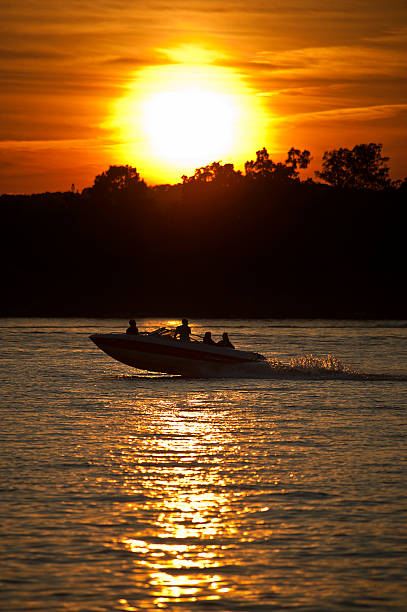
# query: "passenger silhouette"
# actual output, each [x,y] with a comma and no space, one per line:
[133,329]
[207,339]
[183,331]
[225,341]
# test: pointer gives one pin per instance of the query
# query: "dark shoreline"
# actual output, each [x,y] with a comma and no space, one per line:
[255,249]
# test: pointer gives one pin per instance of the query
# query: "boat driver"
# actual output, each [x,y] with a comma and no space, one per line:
[183,331]
[132,329]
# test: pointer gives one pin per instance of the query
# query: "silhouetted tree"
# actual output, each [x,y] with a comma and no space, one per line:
[265,168]
[403,185]
[118,178]
[400,184]
[298,159]
[224,175]
[363,167]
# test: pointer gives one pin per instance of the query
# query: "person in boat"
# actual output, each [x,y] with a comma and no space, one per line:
[225,341]
[132,329]
[183,331]
[207,339]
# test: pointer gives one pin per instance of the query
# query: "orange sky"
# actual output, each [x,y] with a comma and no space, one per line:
[326,74]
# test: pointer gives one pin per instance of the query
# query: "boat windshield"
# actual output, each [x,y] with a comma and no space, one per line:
[162,331]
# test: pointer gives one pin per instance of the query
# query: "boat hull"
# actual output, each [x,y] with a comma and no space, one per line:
[155,354]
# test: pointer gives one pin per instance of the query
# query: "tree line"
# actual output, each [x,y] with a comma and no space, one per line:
[220,243]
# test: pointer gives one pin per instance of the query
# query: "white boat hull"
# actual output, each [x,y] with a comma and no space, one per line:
[158,354]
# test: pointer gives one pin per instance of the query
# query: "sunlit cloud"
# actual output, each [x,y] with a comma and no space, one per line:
[333,62]
[10,54]
[191,54]
[368,113]
[396,36]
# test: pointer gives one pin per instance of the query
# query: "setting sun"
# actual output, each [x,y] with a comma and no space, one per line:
[179,116]
[190,125]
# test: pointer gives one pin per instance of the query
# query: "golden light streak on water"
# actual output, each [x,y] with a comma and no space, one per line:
[192,520]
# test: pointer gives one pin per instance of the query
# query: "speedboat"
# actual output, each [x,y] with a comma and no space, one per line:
[158,351]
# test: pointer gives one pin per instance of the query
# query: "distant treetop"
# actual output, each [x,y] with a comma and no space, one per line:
[264,167]
[117,178]
[224,174]
[363,167]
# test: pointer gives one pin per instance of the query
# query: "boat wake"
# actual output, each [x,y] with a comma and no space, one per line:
[158,351]
[306,367]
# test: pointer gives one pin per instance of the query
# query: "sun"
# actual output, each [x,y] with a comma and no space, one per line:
[190,125]
[178,116]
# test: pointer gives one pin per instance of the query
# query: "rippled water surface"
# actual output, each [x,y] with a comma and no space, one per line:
[123,490]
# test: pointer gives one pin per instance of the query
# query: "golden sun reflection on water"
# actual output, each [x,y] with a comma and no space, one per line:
[187,534]
[198,480]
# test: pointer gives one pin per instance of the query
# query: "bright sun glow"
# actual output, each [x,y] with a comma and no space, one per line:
[182,115]
[190,125]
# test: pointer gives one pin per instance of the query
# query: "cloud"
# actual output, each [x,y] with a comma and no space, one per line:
[72,129]
[330,61]
[43,144]
[31,54]
[364,113]
[130,61]
[394,36]
[157,58]
[54,82]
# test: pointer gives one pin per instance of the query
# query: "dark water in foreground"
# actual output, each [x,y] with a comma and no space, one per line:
[128,491]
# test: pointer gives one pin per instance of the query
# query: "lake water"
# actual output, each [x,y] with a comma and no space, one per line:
[128,491]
